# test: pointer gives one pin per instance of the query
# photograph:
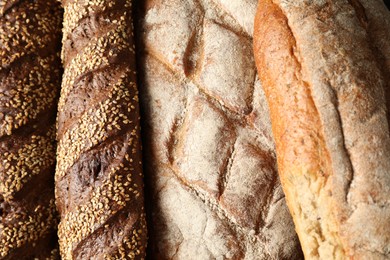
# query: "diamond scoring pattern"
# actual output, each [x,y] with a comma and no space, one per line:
[212,173]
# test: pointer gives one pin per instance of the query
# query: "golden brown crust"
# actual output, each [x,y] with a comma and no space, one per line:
[99,186]
[329,123]
[296,129]
[30,78]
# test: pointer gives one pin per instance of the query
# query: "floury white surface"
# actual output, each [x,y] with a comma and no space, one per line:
[209,157]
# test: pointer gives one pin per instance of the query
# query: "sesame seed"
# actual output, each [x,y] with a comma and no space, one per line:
[111,117]
[27,93]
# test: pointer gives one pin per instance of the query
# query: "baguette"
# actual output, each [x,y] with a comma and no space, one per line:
[30,78]
[325,88]
[99,186]
[211,176]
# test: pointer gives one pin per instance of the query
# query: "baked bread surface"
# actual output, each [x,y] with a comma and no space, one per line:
[99,186]
[213,189]
[324,73]
[30,80]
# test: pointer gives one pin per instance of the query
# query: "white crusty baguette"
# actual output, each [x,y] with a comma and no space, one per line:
[320,66]
[210,164]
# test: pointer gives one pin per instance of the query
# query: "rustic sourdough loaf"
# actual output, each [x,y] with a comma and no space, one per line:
[30,80]
[99,187]
[213,189]
[323,66]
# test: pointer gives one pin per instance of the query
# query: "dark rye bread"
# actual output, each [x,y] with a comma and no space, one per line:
[30,78]
[212,183]
[328,113]
[99,187]
[30,74]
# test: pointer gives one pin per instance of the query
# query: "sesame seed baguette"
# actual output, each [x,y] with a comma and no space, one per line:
[325,88]
[99,186]
[30,78]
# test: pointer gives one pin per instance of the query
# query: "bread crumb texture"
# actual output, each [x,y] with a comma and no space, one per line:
[211,174]
[29,88]
[99,182]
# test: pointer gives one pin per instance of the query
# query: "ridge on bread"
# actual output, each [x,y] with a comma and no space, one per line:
[99,181]
[30,80]
[324,68]
[211,176]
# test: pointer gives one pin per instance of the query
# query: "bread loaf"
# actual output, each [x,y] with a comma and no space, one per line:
[377,23]
[213,189]
[99,187]
[318,62]
[30,74]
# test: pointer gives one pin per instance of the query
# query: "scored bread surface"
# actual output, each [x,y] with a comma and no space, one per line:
[323,69]
[99,187]
[30,80]
[212,182]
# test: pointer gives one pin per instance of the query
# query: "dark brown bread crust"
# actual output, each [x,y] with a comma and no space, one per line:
[30,74]
[99,187]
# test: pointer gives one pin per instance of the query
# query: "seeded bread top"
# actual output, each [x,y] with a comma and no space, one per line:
[30,77]
[99,186]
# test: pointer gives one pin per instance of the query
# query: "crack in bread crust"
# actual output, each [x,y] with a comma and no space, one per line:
[214,192]
[347,92]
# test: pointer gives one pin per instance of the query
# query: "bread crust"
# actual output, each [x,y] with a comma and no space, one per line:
[30,78]
[325,88]
[211,174]
[99,181]
[377,26]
